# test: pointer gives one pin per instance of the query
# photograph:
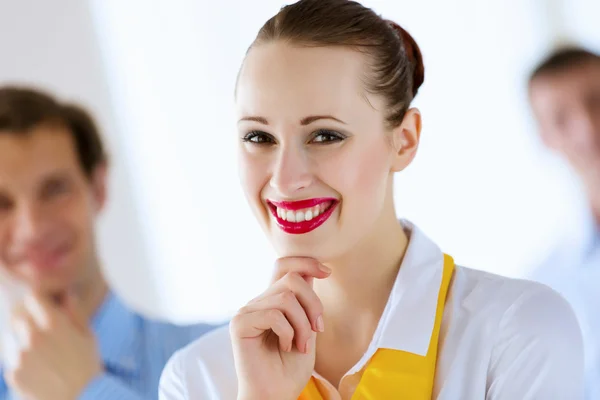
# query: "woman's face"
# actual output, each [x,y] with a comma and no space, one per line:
[316,157]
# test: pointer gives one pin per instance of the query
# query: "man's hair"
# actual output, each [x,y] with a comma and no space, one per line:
[23,109]
[562,60]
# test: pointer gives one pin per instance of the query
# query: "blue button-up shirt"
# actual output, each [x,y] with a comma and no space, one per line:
[573,270]
[134,349]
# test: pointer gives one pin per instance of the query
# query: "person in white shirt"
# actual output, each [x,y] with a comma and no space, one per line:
[362,305]
[564,92]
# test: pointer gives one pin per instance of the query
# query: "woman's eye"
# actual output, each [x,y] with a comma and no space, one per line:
[325,136]
[256,137]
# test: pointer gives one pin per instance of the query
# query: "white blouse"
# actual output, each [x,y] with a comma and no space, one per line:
[501,338]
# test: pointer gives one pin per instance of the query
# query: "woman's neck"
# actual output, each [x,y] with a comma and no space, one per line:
[355,295]
[363,278]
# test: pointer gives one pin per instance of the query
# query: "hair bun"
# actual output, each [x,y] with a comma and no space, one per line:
[413,52]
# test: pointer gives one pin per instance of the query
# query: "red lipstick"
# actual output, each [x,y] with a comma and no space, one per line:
[311,212]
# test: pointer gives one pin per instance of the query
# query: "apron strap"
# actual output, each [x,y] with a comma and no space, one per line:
[397,374]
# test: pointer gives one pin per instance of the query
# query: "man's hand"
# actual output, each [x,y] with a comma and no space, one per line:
[59,355]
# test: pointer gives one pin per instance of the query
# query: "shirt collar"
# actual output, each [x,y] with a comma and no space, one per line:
[117,330]
[409,316]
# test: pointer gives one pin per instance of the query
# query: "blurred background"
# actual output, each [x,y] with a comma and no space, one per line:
[178,240]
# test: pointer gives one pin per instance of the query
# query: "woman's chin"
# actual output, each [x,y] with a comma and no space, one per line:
[319,243]
[287,248]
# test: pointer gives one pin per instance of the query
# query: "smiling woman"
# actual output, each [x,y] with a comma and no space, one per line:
[362,305]
[299,151]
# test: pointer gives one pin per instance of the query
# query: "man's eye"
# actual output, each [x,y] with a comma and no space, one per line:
[55,188]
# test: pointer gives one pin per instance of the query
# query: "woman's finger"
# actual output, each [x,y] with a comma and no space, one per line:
[287,303]
[304,266]
[303,291]
[253,324]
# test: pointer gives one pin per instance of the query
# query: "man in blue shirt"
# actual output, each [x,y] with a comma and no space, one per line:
[564,91]
[78,340]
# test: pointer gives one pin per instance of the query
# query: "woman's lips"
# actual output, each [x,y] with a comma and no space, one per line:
[303,216]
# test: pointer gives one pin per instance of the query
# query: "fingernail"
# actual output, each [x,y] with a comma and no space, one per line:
[324,268]
[320,324]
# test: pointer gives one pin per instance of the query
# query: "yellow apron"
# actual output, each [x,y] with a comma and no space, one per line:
[396,374]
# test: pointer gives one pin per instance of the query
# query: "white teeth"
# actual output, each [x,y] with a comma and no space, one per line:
[291,216]
[301,215]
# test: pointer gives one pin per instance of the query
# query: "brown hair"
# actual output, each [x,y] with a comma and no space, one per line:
[23,109]
[562,60]
[396,68]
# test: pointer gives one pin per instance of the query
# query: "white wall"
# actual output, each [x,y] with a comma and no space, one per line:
[172,67]
[160,78]
[481,185]
[52,44]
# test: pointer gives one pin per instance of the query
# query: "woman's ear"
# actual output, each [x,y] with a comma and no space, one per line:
[405,139]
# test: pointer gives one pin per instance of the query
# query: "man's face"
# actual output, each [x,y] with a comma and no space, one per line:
[566,105]
[47,209]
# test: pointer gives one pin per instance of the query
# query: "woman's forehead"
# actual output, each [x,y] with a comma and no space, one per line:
[309,80]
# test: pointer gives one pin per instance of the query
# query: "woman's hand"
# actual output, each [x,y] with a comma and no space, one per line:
[274,336]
